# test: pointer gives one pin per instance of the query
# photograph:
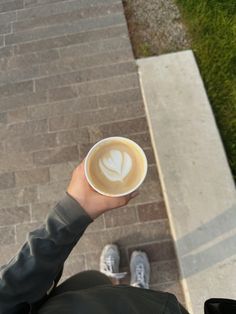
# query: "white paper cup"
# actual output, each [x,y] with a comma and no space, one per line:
[91,151]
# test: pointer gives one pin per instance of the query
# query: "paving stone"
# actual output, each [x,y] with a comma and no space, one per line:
[61,171]
[162,272]
[11,5]
[90,74]
[96,47]
[15,161]
[122,216]
[39,112]
[72,39]
[158,251]
[16,75]
[108,85]
[34,176]
[53,191]
[120,97]
[31,127]
[73,106]
[29,59]
[1,40]
[7,180]
[74,265]
[8,198]
[118,128]
[77,136]
[16,88]
[150,155]
[5,28]
[142,139]
[63,107]
[173,287]
[152,173]
[152,211]
[7,235]
[70,28]
[2,148]
[14,215]
[80,61]
[3,117]
[92,260]
[61,93]
[95,117]
[18,115]
[63,122]
[7,17]
[34,3]
[27,99]
[56,155]
[23,229]
[64,18]
[97,225]
[57,8]
[128,235]
[5,52]
[149,191]
[7,252]
[32,143]
[27,195]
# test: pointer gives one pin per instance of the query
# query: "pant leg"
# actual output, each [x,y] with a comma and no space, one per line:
[83,280]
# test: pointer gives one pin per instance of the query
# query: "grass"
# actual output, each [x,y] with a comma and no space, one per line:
[212,28]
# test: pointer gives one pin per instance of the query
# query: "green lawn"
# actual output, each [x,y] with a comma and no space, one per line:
[212,28]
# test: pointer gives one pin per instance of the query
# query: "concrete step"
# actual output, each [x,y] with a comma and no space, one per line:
[196,180]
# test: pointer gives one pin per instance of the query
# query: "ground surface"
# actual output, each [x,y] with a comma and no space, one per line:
[155,27]
[69,78]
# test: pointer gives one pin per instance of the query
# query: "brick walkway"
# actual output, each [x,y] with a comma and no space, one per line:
[68,78]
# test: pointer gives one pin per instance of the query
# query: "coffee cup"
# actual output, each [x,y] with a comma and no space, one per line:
[115,166]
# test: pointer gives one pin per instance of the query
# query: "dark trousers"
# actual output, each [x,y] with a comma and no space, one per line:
[83,280]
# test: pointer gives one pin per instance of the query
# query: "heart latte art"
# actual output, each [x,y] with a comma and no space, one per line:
[117,166]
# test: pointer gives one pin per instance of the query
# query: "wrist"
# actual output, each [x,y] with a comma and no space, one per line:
[89,211]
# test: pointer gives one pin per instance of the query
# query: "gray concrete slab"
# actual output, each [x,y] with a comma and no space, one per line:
[197,183]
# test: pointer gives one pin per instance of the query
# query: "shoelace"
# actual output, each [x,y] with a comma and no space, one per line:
[109,269]
[140,282]
[140,273]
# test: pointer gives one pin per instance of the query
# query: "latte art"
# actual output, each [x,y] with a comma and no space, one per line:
[116,166]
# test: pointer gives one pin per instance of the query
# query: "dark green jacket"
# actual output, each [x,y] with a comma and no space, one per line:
[31,273]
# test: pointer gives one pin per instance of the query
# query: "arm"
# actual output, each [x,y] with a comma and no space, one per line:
[30,274]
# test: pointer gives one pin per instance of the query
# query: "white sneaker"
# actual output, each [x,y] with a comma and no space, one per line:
[110,261]
[140,270]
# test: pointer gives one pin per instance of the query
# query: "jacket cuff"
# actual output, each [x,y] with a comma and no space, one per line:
[73,214]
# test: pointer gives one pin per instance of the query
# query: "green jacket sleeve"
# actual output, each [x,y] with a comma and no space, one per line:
[30,274]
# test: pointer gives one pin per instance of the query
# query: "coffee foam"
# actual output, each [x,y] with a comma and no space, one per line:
[116,166]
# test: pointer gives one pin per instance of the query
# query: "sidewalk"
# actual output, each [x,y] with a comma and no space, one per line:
[68,78]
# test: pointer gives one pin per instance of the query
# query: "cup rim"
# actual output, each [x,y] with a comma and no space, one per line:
[109,139]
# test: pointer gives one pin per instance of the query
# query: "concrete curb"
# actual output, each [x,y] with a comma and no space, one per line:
[196,180]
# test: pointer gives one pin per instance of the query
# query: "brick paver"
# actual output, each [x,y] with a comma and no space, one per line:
[68,78]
